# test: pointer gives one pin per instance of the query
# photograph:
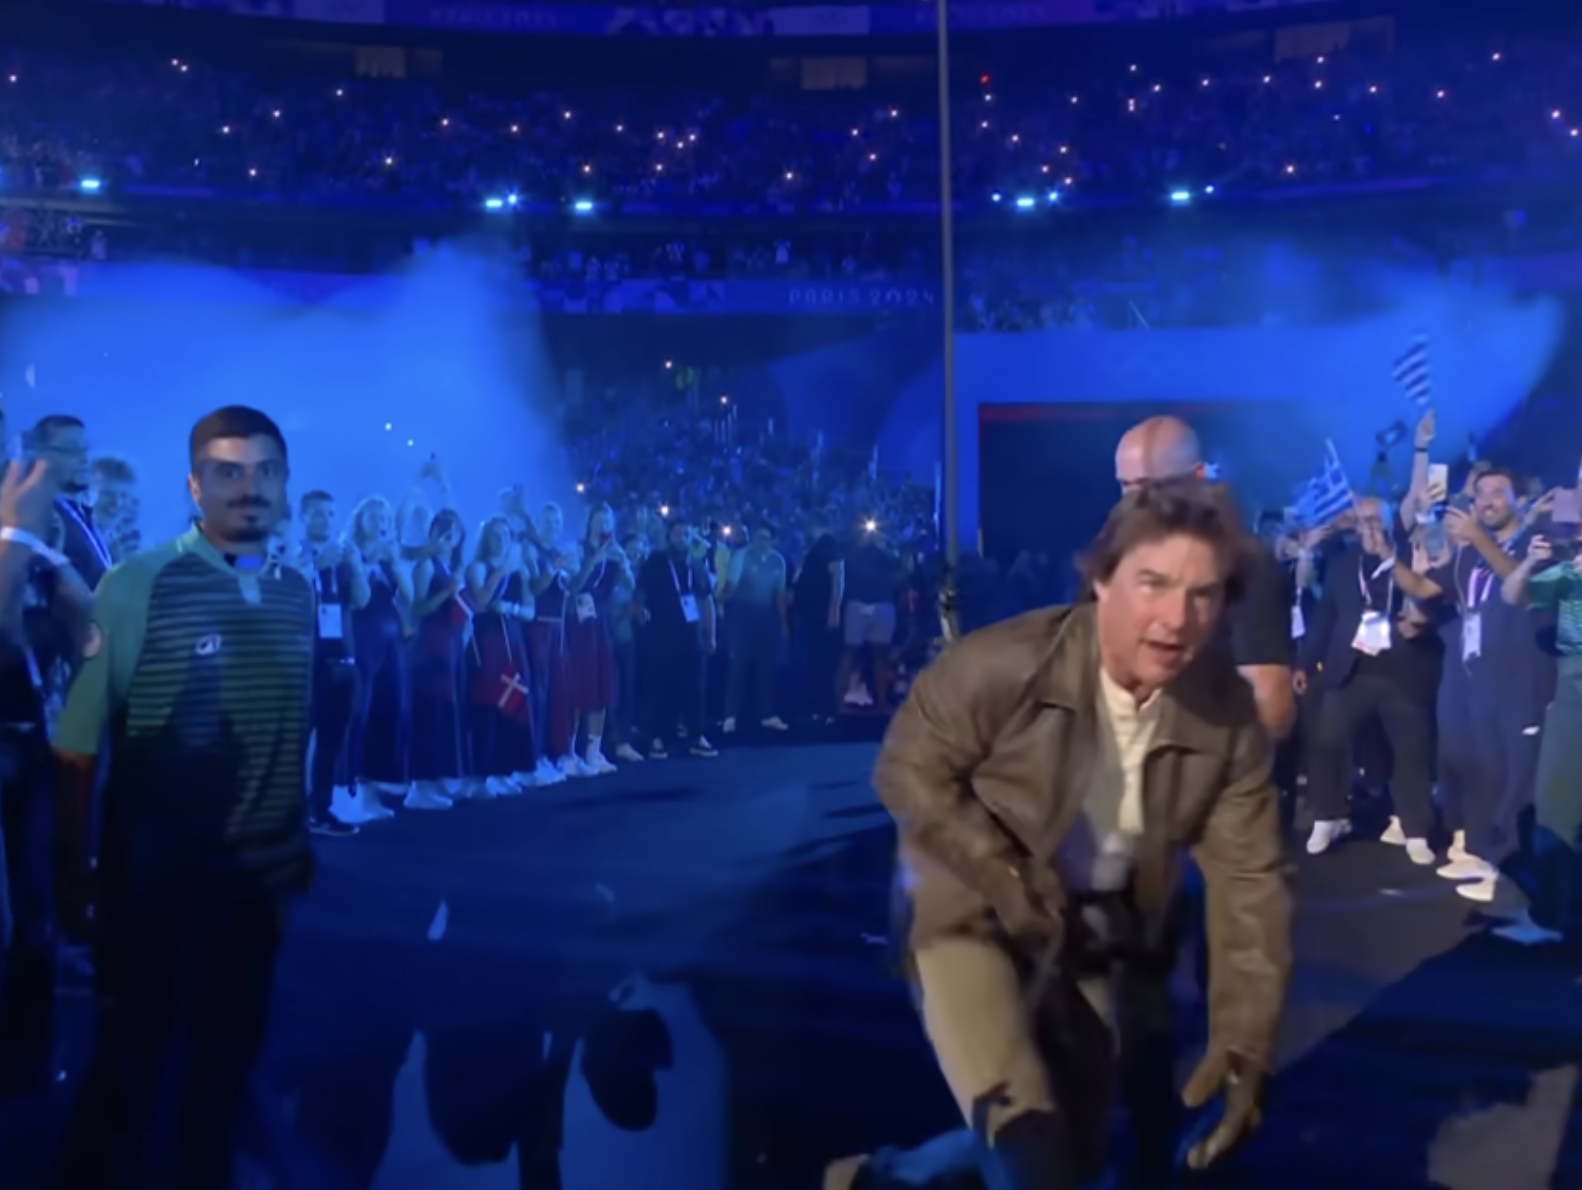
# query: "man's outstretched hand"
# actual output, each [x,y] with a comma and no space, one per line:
[1241,1094]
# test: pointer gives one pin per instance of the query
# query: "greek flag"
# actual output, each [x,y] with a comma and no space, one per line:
[1411,373]
[1327,494]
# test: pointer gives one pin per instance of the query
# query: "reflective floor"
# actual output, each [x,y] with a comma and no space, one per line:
[675,978]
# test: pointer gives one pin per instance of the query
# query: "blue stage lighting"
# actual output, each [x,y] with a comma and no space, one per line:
[1180,197]
[90,185]
[1024,203]
[494,204]
[583,206]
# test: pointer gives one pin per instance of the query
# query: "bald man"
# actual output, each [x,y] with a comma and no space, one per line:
[1260,626]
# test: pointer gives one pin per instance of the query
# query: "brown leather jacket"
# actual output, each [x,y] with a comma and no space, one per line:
[987,762]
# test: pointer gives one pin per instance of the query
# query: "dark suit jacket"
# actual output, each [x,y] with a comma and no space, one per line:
[989,761]
[83,545]
[1413,661]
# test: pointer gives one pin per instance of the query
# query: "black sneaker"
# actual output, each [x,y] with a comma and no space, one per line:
[658,751]
[332,827]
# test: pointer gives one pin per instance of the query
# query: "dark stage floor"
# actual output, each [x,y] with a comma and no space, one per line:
[461,1003]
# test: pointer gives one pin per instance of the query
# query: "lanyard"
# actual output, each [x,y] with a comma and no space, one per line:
[1478,591]
[1362,583]
[676,578]
[95,542]
[326,587]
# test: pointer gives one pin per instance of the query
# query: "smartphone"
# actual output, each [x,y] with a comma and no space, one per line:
[1567,508]
[1438,482]
[1565,524]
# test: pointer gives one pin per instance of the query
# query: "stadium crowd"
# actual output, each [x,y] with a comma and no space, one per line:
[1124,130]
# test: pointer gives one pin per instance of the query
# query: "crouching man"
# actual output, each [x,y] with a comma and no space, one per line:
[1045,775]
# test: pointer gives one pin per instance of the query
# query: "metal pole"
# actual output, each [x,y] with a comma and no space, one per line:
[951,529]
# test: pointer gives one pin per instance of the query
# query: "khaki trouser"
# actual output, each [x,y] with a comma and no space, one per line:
[1005,1059]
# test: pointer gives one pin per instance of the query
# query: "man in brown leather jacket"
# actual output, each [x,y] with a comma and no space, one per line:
[1045,774]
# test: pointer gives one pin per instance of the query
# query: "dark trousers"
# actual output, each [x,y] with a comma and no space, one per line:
[334,697]
[185,973]
[754,634]
[1365,696]
[382,658]
[437,753]
[1558,796]
[498,744]
[1488,760]
[27,934]
[820,647]
[673,668]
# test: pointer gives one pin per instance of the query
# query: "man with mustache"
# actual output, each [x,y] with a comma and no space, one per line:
[196,675]
[1044,774]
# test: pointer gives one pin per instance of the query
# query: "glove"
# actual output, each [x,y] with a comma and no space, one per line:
[1241,1108]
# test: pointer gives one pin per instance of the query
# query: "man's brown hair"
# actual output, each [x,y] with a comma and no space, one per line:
[1171,508]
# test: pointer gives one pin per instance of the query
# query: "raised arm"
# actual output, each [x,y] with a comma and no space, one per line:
[1514,589]
[1418,498]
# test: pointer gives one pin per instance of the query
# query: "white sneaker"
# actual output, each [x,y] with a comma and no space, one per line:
[628,754]
[1524,931]
[729,726]
[547,773]
[1468,867]
[1419,852]
[1482,891]
[596,764]
[1393,834]
[525,781]
[470,790]
[369,807]
[775,723]
[499,786]
[1326,833]
[570,766]
[425,795]
[344,806]
[390,788]
[1458,847]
